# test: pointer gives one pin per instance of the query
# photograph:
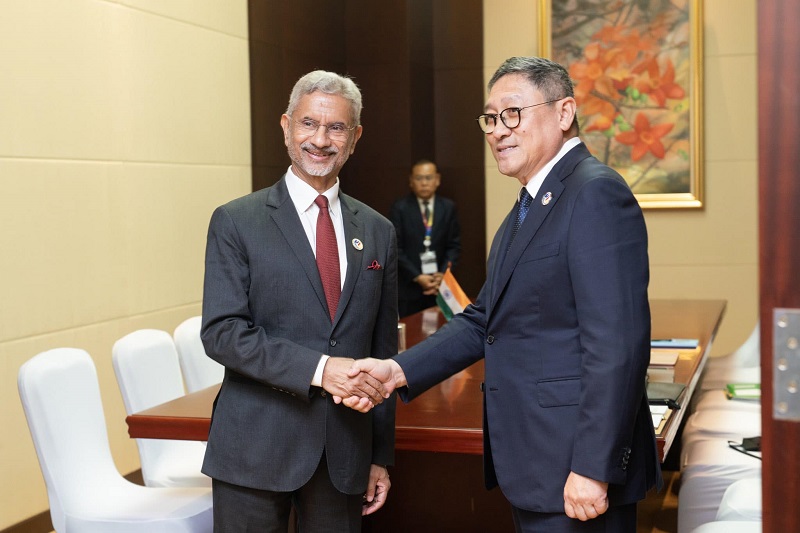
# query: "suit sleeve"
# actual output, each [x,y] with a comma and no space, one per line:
[228,331]
[608,265]
[450,350]
[384,342]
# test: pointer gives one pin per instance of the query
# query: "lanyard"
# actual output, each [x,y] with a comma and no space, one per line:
[428,223]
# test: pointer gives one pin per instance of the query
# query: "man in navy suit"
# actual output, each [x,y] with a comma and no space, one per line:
[300,279]
[428,239]
[563,322]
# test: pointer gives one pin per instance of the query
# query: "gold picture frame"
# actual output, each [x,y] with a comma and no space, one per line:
[638,85]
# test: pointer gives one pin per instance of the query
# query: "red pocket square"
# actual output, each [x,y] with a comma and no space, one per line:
[374,266]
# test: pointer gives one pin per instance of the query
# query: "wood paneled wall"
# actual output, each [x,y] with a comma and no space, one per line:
[418,64]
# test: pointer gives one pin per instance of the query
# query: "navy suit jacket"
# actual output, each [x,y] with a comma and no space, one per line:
[265,318]
[563,322]
[445,241]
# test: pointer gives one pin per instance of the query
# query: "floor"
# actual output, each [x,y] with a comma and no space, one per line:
[659,512]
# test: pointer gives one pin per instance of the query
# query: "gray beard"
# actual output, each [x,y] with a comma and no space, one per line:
[313,169]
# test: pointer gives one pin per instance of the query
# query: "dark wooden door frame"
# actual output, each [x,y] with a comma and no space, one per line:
[779,241]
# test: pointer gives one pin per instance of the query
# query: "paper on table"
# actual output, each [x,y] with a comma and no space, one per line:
[658,409]
[661,357]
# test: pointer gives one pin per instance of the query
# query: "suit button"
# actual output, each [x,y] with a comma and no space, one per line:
[490,339]
[323,394]
[332,342]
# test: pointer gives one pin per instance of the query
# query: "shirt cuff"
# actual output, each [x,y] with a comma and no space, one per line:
[316,381]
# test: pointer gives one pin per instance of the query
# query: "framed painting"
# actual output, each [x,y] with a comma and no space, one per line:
[637,68]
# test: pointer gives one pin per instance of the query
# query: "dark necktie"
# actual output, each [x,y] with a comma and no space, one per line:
[328,256]
[427,211]
[525,200]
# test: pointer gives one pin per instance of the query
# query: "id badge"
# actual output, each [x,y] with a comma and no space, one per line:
[428,260]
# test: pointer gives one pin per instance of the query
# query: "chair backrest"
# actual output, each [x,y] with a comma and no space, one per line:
[61,398]
[147,369]
[199,370]
[148,374]
[749,353]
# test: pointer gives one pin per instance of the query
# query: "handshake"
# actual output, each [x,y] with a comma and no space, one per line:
[361,384]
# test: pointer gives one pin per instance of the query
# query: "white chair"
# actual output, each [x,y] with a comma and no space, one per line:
[713,424]
[199,370]
[708,468]
[742,501]
[715,458]
[60,395]
[729,527]
[717,399]
[146,365]
[741,366]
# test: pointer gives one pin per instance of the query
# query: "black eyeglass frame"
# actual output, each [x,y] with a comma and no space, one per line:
[482,119]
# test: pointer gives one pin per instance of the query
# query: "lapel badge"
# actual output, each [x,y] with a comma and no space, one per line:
[547,197]
[357,244]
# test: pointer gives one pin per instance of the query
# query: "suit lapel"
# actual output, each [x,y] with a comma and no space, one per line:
[536,215]
[438,216]
[353,229]
[533,221]
[416,215]
[284,214]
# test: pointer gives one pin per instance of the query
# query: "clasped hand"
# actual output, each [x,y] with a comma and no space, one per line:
[360,384]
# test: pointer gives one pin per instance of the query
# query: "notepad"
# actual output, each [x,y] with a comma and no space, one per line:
[683,344]
[743,391]
[660,414]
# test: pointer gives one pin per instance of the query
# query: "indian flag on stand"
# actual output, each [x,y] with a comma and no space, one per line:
[451,298]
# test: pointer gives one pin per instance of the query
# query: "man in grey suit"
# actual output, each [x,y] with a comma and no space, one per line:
[300,280]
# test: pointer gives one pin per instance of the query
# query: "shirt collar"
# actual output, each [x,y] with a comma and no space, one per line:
[536,181]
[429,200]
[303,194]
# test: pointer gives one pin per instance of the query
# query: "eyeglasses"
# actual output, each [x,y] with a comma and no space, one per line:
[337,130]
[510,117]
[424,177]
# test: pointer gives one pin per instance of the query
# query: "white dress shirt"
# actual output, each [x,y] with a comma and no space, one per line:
[303,196]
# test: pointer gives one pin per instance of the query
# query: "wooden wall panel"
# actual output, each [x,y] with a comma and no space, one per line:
[779,234]
[287,40]
[418,64]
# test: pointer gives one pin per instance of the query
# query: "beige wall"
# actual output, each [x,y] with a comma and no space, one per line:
[122,125]
[710,253]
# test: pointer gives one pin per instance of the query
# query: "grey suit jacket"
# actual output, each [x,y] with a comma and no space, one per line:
[266,320]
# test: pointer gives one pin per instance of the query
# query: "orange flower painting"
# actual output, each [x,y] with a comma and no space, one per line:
[635,68]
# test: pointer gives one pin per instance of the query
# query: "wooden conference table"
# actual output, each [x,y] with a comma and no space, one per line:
[448,418]
[437,480]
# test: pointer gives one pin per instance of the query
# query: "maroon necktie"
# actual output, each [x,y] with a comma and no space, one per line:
[328,256]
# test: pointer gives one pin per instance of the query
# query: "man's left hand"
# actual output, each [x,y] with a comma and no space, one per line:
[585,498]
[377,490]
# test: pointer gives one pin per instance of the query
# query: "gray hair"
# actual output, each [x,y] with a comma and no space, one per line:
[328,83]
[549,77]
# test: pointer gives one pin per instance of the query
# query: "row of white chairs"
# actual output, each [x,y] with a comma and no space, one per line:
[61,399]
[720,487]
